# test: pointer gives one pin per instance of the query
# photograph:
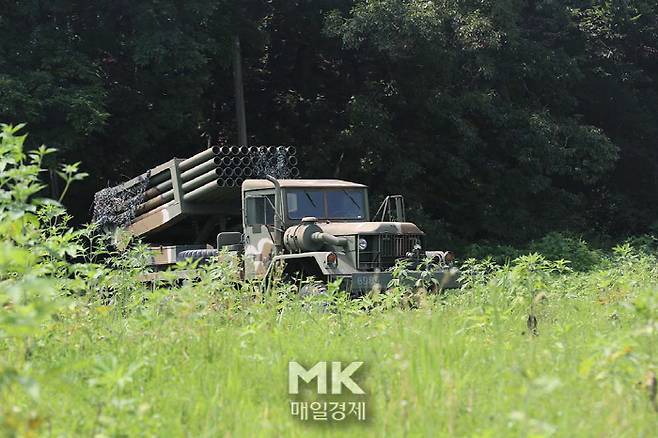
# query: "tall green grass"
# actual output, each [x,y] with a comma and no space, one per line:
[463,364]
[86,349]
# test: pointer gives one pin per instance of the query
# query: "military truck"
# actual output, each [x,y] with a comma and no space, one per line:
[299,228]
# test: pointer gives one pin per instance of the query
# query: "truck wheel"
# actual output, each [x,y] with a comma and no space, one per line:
[196,254]
[313,288]
[317,292]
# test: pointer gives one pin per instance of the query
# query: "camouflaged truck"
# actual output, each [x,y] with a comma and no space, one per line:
[299,228]
[321,228]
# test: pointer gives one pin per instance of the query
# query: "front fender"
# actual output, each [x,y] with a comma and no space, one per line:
[318,257]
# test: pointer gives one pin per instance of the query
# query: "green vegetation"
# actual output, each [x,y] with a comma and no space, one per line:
[501,120]
[87,349]
[533,124]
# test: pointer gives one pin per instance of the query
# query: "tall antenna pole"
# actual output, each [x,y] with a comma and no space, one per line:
[239,93]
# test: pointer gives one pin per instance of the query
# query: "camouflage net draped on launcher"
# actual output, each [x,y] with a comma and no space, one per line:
[274,163]
[115,206]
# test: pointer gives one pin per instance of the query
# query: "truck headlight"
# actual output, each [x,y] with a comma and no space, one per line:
[363,244]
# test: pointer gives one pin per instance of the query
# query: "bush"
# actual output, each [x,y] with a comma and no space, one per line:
[500,254]
[557,246]
[35,242]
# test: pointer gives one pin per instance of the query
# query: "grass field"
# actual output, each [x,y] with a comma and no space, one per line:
[206,361]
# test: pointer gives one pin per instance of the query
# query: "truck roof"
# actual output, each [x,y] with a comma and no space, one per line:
[255,184]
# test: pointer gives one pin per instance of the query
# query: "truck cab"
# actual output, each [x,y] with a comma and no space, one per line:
[321,228]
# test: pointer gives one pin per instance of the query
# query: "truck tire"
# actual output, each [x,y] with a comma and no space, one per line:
[317,292]
[313,288]
[196,254]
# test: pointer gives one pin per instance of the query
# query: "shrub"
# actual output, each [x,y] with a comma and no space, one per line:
[34,244]
[556,246]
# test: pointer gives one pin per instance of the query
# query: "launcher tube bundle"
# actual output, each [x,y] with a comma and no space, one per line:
[206,183]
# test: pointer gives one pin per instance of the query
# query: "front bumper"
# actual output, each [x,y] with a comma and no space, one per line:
[363,282]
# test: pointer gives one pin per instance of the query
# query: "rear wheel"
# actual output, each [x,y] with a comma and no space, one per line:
[197,254]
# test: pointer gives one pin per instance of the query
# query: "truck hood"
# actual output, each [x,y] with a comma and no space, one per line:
[350,228]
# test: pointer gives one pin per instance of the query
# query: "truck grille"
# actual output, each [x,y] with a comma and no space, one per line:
[384,249]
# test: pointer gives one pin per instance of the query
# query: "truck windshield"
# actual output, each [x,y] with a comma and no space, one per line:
[326,204]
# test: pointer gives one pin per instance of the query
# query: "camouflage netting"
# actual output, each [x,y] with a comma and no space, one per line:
[275,164]
[115,206]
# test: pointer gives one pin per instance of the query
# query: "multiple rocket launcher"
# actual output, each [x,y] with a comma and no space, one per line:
[220,167]
[201,179]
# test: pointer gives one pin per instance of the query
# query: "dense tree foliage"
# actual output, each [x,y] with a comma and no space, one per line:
[497,119]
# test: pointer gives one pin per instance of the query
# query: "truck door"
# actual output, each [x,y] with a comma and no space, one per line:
[258,231]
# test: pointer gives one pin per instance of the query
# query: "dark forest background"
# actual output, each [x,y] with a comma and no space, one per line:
[499,120]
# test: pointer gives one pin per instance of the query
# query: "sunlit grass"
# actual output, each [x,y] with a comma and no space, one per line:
[458,365]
